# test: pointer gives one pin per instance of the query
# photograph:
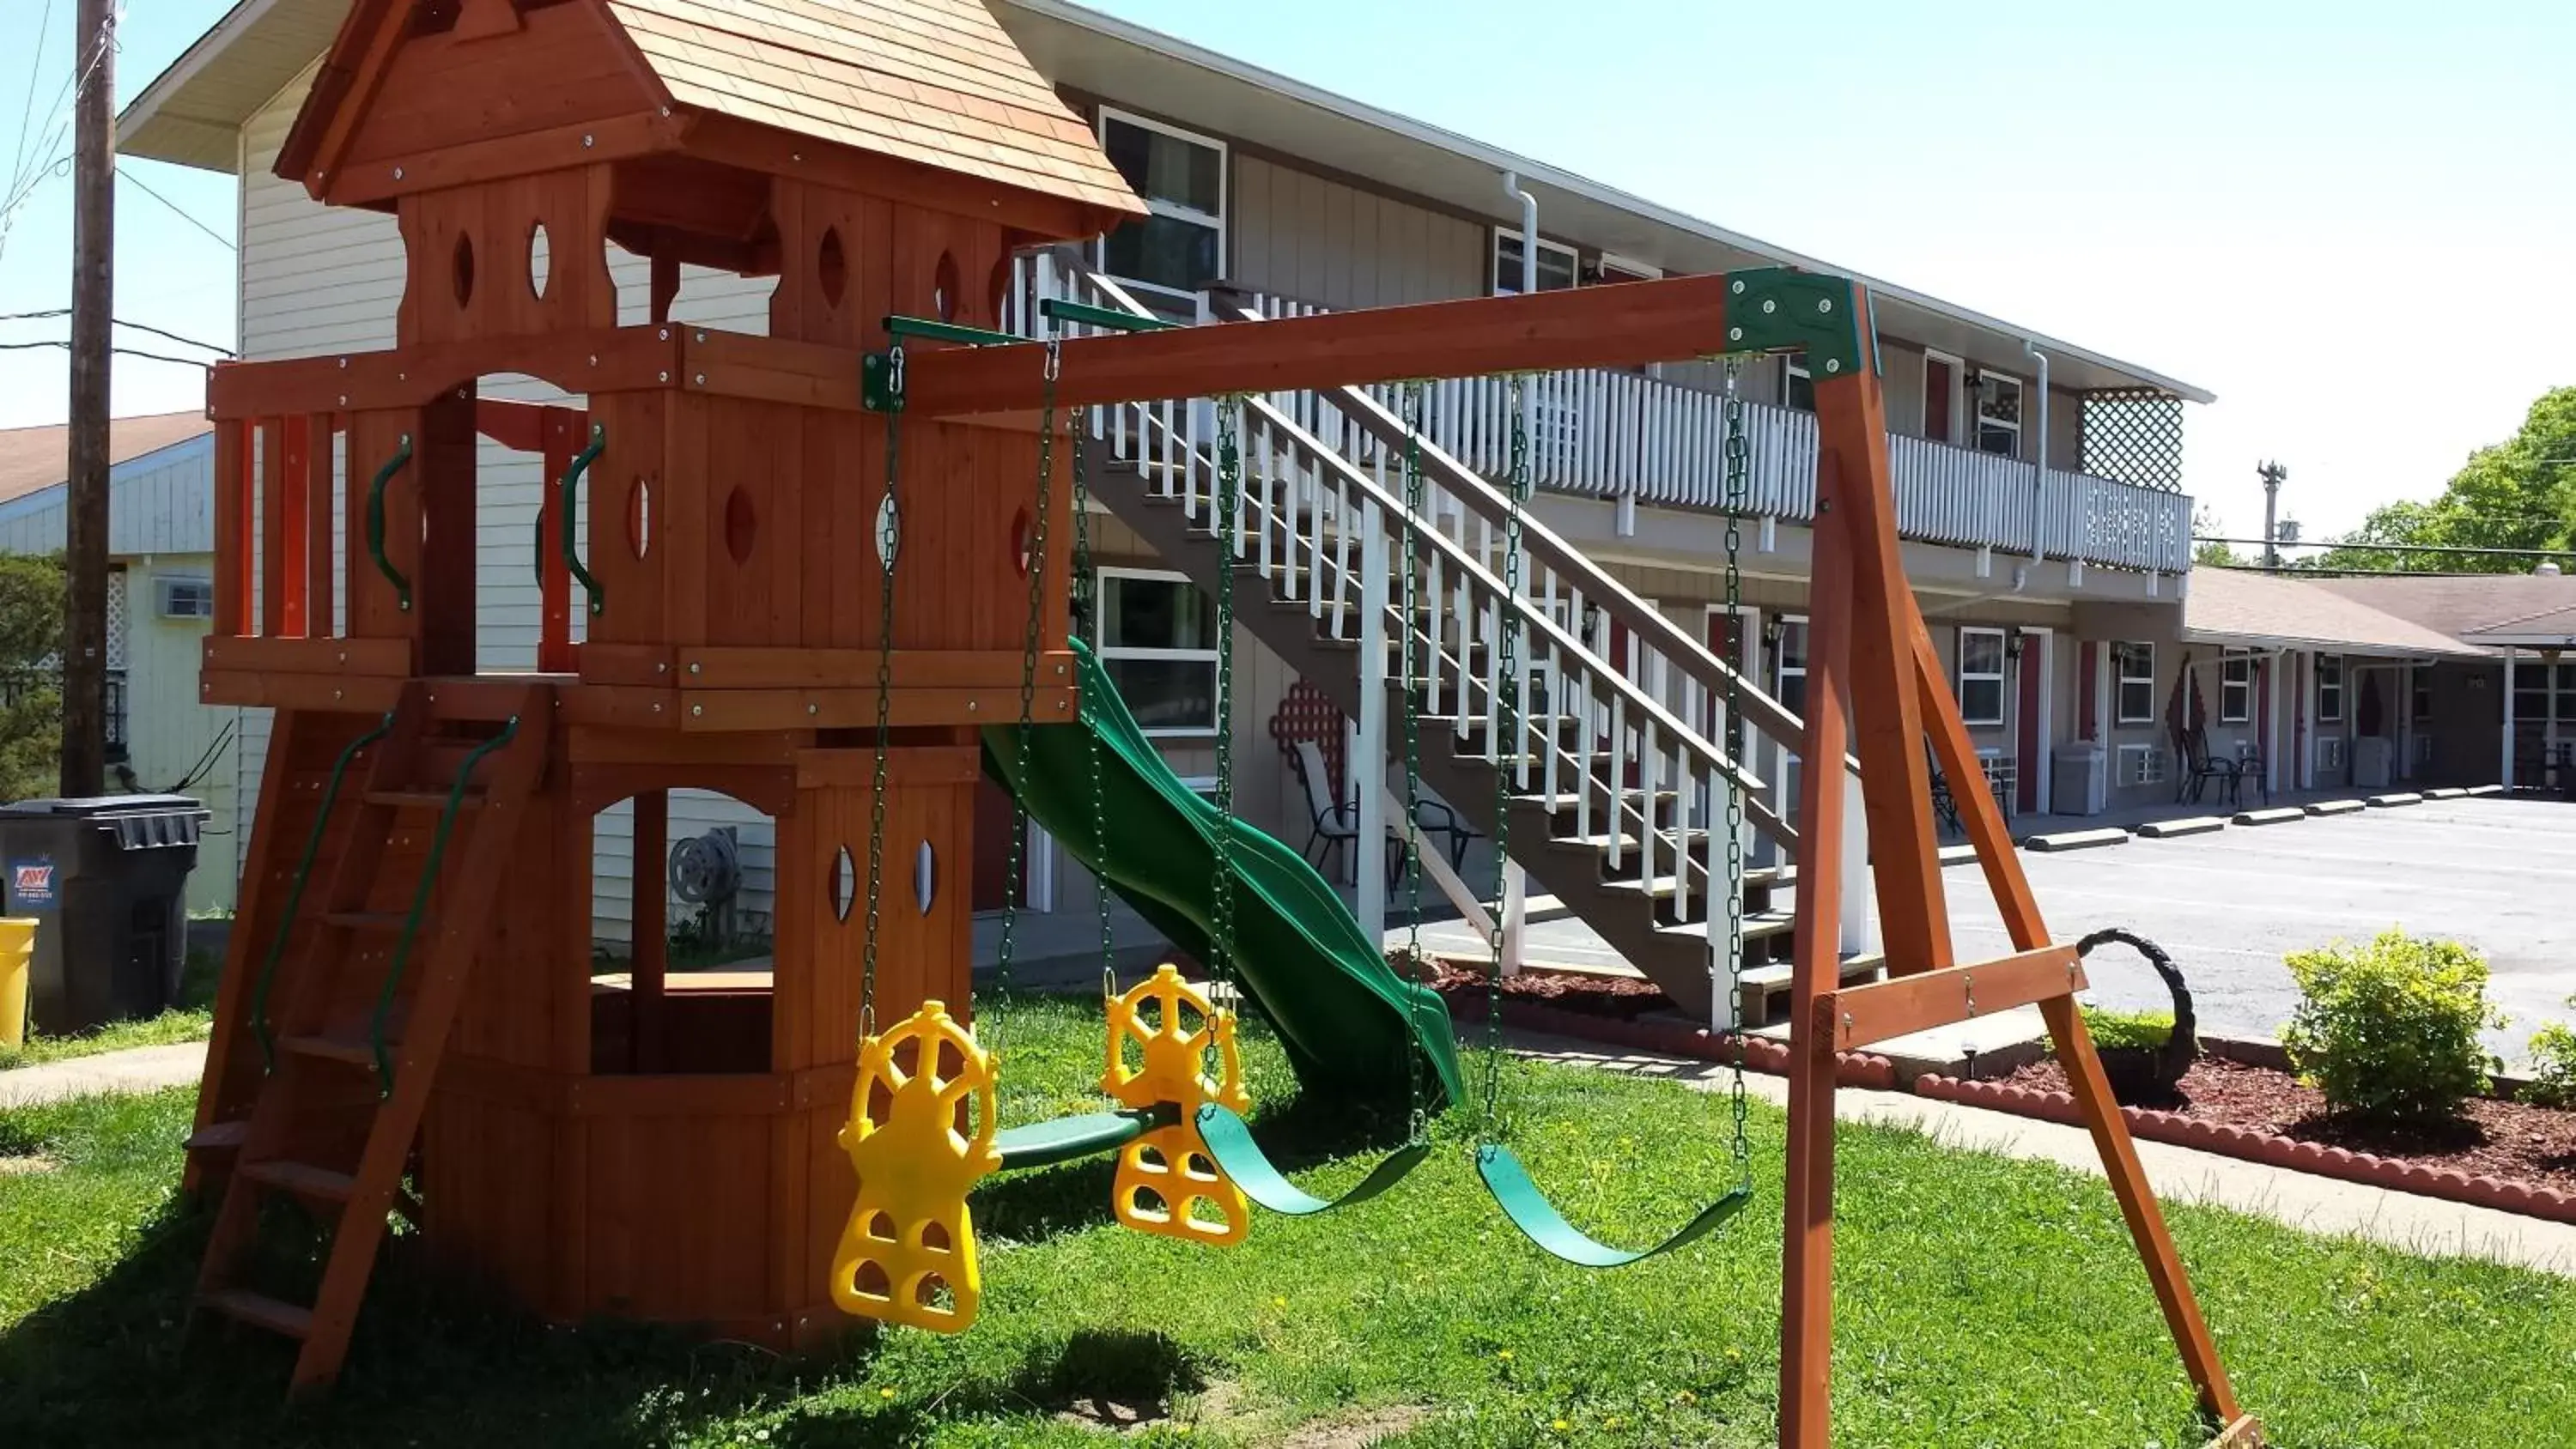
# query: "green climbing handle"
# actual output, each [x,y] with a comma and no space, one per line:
[295,892]
[568,497]
[420,901]
[376,522]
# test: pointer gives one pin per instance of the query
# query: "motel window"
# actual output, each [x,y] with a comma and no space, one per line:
[1789,666]
[1981,676]
[2236,689]
[1555,264]
[1158,643]
[1998,414]
[1179,246]
[2419,705]
[2329,689]
[2135,674]
[1797,384]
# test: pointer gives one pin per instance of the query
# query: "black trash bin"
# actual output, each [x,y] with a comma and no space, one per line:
[107,881]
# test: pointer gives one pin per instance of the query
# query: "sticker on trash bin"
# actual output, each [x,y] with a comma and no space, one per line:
[31,884]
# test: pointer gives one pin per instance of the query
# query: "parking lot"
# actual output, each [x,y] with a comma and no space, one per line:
[2498,873]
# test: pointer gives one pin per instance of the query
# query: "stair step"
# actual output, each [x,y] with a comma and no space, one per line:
[244,1306]
[302,1179]
[423,799]
[383,922]
[356,1051]
[1773,977]
[1758,926]
[219,1136]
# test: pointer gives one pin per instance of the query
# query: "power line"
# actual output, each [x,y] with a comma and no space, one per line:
[181,212]
[2396,547]
[120,322]
[120,351]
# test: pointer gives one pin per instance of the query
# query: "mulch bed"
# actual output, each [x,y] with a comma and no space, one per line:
[2506,1140]
[1620,998]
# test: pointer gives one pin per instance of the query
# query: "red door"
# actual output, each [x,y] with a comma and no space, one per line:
[2030,747]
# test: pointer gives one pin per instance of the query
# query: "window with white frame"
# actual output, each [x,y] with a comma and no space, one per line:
[2133,668]
[1615,268]
[1789,665]
[1157,640]
[2329,689]
[1168,255]
[1998,398]
[1555,264]
[1981,676]
[2235,688]
[1797,384]
[2420,691]
[2141,765]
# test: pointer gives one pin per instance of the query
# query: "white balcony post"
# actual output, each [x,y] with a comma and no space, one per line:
[1860,889]
[1367,768]
[2509,653]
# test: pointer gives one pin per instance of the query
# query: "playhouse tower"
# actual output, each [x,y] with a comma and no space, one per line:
[410,987]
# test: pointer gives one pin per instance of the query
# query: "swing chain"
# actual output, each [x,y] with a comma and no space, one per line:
[1227,519]
[889,540]
[1738,453]
[1086,584]
[1507,684]
[1036,545]
[1416,1119]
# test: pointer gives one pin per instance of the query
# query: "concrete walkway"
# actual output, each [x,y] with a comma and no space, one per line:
[137,1069]
[2324,1205]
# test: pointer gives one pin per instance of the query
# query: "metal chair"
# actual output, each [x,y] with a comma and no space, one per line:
[2199,767]
[1336,822]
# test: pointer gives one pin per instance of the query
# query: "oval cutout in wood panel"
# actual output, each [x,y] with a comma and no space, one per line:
[461,269]
[925,877]
[639,518]
[741,525]
[540,260]
[844,885]
[943,288]
[832,267]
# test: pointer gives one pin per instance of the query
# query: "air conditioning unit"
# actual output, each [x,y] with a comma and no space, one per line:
[182,598]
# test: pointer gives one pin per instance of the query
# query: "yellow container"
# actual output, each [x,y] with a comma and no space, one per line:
[17,950]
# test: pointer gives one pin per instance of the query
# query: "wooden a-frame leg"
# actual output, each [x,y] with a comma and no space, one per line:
[2074,1045]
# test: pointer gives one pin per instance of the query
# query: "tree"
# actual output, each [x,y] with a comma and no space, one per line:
[32,601]
[2517,494]
[2206,550]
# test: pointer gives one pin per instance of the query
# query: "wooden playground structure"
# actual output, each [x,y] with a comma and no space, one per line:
[804,563]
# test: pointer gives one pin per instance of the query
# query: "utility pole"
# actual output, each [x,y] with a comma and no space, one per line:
[2271,474]
[93,305]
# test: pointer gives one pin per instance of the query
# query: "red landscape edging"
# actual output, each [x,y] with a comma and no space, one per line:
[2268,1148]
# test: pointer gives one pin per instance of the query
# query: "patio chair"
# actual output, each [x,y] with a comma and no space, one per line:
[2199,767]
[1945,807]
[1336,822]
[2251,770]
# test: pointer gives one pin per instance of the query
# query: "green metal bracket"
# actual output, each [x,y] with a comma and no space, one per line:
[881,373]
[931,329]
[420,901]
[1782,309]
[1112,318]
[567,500]
[376,522]
[295,891]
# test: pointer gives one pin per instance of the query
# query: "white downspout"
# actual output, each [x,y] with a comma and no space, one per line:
[2039,469]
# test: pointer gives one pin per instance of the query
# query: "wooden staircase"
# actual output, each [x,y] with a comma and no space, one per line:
[392,932]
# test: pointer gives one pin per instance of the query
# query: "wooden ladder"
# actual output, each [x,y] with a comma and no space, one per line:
[353,1052]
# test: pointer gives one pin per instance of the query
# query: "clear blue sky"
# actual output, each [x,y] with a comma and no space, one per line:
[2351,219]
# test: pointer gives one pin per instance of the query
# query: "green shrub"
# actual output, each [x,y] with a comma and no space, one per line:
[2553,1066]
[2145,1030]
[2389,1030]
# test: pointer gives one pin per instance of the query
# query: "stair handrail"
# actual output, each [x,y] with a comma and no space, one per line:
[1644,623]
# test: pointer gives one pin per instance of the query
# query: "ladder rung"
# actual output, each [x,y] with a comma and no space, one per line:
[423,799]
[219,1136]
[303,1179]
[385,921]
[243,1305]
[353,1050]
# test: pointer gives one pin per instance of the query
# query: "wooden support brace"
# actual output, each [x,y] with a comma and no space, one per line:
[1859,1016]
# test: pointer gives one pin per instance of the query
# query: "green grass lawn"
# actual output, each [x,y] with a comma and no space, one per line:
[190,1020]
[1984,1302]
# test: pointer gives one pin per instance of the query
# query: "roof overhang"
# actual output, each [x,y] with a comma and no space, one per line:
[191,115]
[2430,649]
[1122,62]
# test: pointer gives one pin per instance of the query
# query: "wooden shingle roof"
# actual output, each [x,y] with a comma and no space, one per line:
[934,83]
[930,81]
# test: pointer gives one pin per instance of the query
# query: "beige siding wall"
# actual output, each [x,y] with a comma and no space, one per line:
[1300,235]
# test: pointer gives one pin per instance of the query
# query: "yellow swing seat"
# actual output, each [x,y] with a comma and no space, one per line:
[1166,1175]
[920,1136]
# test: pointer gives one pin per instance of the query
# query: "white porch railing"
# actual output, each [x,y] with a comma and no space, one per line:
[1609,434]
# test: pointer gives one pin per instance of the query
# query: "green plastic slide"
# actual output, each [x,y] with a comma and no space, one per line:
[1348,1020]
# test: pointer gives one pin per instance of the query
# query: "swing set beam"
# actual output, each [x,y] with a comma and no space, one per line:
[1871,659]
